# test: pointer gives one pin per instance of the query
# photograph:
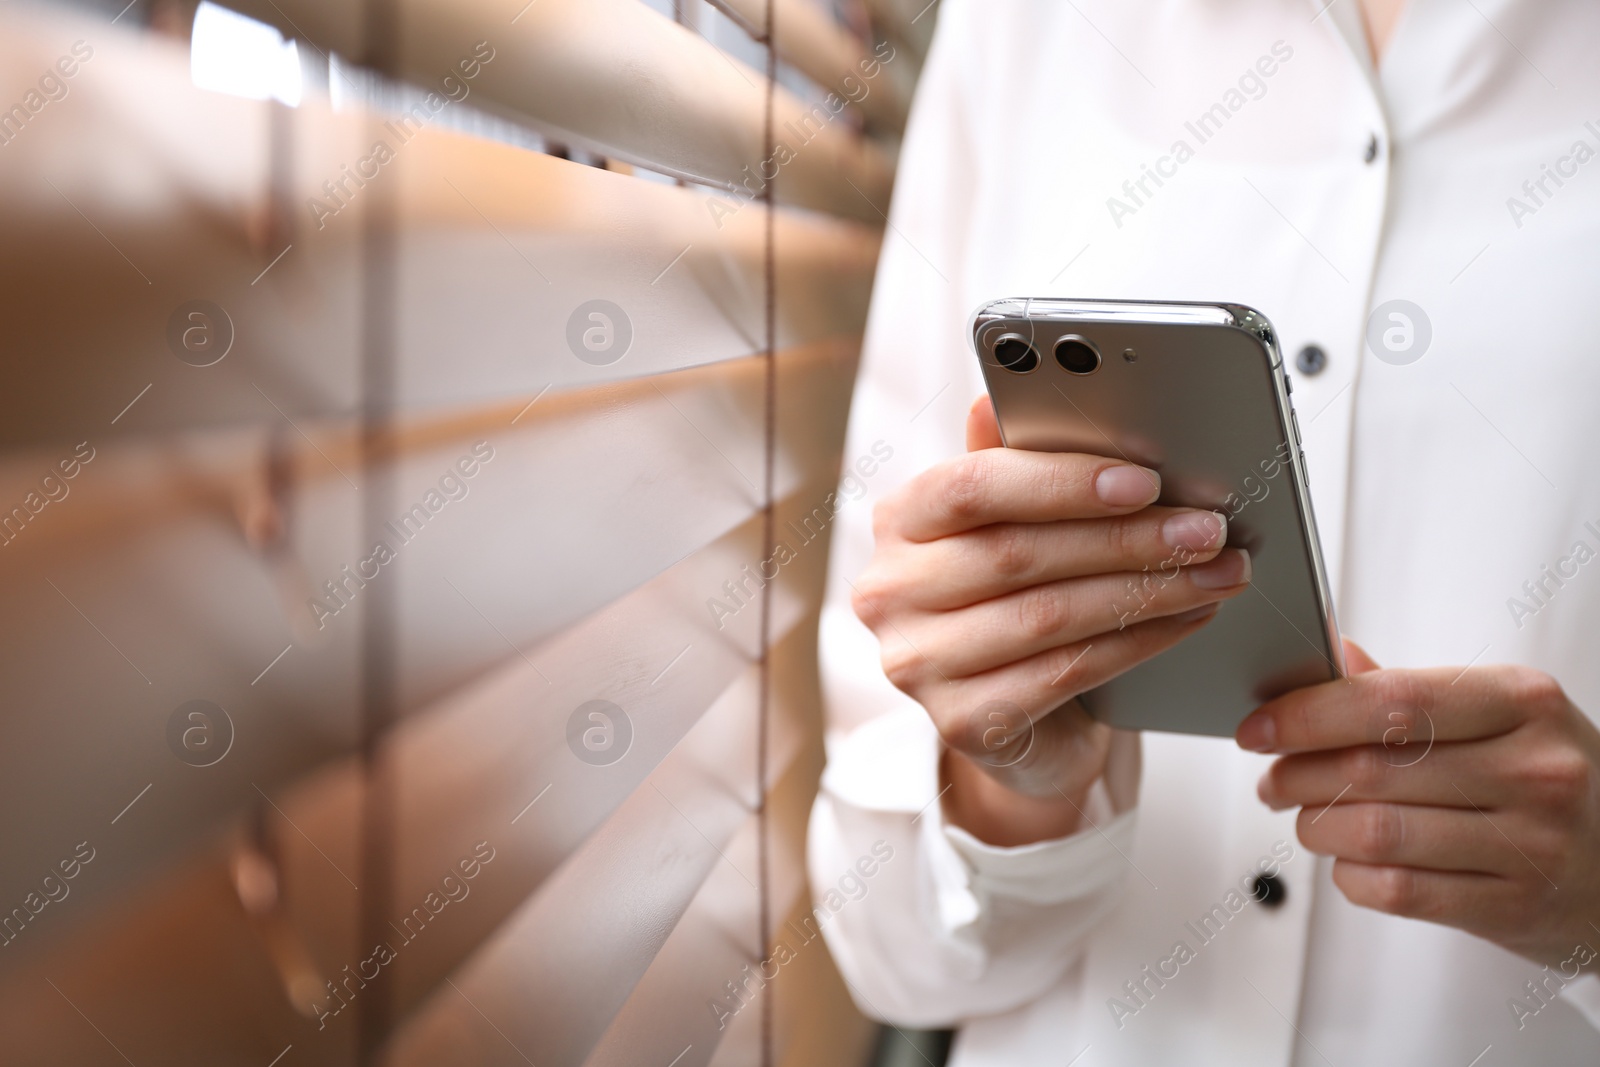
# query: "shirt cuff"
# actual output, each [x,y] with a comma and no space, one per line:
[1052,872]
[891,764]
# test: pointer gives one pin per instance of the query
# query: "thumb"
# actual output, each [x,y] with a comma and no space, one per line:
[983,431]
[1356,660]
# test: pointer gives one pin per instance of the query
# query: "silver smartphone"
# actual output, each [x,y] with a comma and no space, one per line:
[1197,392]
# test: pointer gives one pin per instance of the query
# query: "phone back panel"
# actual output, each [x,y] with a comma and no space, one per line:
[1196,392]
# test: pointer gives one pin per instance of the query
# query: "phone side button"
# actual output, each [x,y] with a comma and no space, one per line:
[1304,468]
[1294,421]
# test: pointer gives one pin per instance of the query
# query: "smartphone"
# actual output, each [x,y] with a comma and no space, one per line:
[1197,392]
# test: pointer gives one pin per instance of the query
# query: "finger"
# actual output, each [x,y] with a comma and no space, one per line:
[963,569]
[1444,703]
[1411,773]
[1054,759]
[1454,898]
[1011,485]
[1036,686]
[983,428]
[1015,626]
[1408,835]
[1356,660]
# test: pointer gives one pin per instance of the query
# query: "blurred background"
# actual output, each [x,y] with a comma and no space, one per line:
[404,402]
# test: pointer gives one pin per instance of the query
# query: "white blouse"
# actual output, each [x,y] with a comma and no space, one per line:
[1242,150]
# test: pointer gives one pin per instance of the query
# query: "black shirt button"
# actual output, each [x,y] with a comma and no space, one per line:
[1269,890]
[1372,149]
[1311,360]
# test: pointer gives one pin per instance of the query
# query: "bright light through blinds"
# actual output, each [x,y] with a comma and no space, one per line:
[240,56]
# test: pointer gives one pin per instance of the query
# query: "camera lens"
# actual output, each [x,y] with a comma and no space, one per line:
[1015,354]
[1077,355]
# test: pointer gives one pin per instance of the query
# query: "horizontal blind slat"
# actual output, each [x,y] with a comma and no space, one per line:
[175,947]
[670,1010]
[208,191]
[908,21]
[192,606]
[477,316]
[471,769]
[683,107]
[554,976]
[829,55]
[685,998]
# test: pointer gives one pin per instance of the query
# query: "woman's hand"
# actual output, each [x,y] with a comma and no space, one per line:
[1465,797]
[1005,583]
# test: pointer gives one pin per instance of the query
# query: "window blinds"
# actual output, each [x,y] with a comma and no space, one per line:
[414,538]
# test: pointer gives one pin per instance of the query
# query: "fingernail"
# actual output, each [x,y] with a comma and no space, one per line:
[1231,567]
[1258,733]
[1198,531]
[1125,486]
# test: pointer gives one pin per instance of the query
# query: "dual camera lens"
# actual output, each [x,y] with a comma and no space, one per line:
[1075,354]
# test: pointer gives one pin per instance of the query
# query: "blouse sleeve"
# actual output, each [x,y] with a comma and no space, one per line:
[945,927]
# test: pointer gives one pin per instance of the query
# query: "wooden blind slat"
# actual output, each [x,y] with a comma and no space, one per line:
[498,249]
[558,973]
[567,528]
[611,76]
[831,56]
